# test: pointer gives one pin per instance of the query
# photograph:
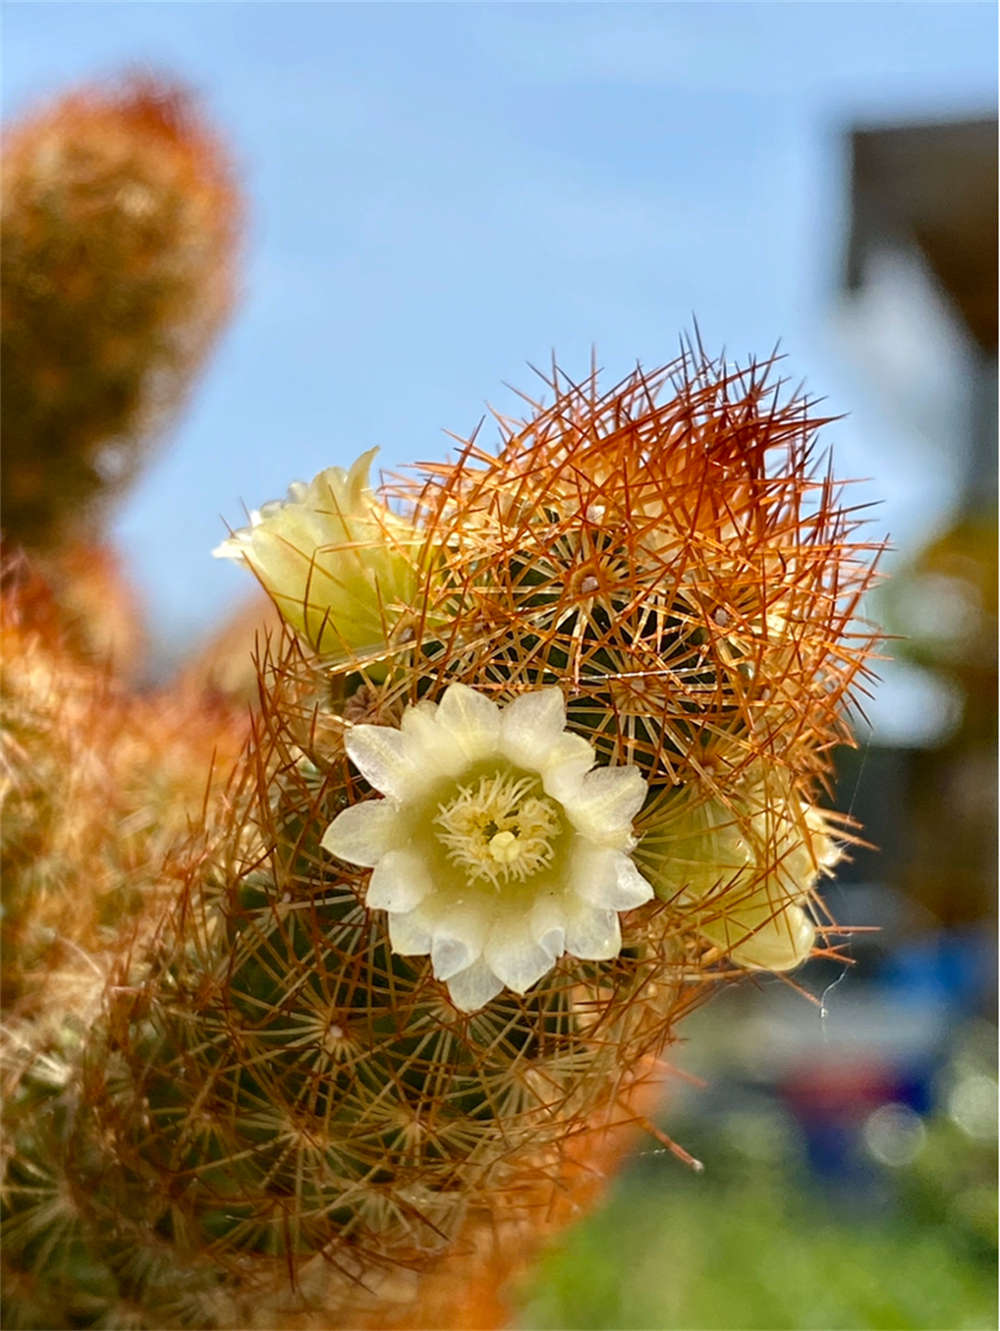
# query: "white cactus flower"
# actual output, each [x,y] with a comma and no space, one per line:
[496,848]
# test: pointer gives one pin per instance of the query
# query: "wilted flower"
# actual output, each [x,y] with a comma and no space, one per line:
[497,848]
[337,563]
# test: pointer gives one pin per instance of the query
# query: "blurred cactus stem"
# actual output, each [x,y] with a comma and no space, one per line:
[119,230]
[98,786]
[536,764]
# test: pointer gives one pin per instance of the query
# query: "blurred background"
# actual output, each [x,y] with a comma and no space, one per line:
[440,196]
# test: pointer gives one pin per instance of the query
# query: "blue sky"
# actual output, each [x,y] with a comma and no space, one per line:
[440,194]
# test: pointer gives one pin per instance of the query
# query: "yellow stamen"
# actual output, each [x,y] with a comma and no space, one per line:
[499,828]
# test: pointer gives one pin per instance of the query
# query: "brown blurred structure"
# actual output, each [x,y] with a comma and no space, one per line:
[927,194]
[933,186]
[931,189]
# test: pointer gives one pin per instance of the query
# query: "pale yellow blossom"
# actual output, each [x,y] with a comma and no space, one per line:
[341,568]
[498,846]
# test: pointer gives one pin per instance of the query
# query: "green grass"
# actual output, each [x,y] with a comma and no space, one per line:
[752,1244]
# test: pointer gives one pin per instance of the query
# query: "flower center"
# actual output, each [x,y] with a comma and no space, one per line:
[499,828]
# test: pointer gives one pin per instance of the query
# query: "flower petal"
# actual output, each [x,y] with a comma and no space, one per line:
[780,944]
[363,833]
[399,882]
[568,760]
[630,887]
[531,725]
[418,722]
[608,879]
[410,932]
[471,721]
[474,987]
[608,800]
[234,546]
[383,757]
[430,745]
[514,956]
[592,934]
[548,923]
[459,936]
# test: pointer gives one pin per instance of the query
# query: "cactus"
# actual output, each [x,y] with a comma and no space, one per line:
[223,666]
[97,787]
[97,784]
[119,227]
[536,764]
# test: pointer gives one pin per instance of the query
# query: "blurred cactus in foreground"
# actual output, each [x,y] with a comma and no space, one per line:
[224,665]
[540,768]
[98,789]
[119,228]
[96,784]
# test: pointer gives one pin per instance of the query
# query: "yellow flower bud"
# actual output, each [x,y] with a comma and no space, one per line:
[750,862]
[340,567]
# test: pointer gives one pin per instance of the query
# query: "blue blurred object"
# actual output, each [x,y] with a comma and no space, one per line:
[954,967]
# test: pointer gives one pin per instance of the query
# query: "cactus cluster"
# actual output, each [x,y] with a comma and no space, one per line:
[307,1026]
[282,1107]
[119,229]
